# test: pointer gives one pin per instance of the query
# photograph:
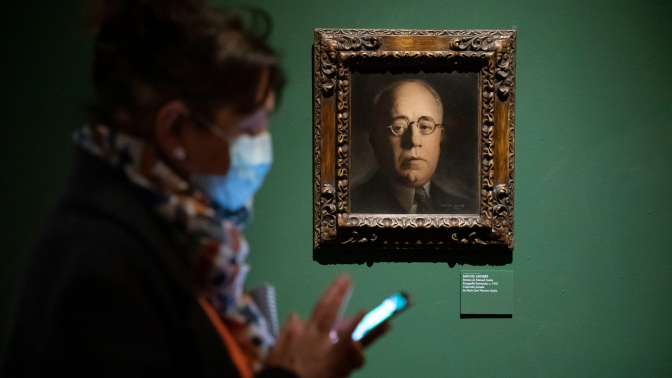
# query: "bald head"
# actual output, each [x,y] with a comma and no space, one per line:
[386,97]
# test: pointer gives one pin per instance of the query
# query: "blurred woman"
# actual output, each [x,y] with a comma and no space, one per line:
[139,270]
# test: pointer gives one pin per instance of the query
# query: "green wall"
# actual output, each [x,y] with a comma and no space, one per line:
[592,296]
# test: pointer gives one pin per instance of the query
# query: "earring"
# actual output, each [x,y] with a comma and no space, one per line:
[179,153]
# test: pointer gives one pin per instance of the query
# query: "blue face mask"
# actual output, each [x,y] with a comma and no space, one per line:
[251,158]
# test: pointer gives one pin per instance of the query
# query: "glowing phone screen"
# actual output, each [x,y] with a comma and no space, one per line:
[379,314]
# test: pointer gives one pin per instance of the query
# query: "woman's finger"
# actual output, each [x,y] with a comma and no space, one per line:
[326,309]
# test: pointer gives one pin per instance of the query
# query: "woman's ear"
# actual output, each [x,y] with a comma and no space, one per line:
[167,127]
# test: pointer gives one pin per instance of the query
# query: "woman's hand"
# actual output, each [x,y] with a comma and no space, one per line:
[307,348]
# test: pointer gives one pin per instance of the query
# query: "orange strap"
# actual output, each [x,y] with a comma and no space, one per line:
[235,351]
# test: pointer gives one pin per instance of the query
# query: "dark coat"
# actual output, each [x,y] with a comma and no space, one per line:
[106,292]
[376,196]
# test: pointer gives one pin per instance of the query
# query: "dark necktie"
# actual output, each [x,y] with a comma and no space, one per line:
[422,199]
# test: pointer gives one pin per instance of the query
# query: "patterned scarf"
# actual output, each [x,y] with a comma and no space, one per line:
[214,234]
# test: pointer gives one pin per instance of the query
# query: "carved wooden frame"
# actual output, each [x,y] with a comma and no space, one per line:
[335,53]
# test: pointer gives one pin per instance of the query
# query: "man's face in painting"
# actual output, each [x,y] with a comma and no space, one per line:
[407,133]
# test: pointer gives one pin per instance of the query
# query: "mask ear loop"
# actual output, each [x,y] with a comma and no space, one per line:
[219,133]
[180,154]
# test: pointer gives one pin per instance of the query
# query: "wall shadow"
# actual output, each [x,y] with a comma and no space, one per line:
[492,257]
[486,316]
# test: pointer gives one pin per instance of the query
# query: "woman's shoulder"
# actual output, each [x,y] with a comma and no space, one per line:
[100,227]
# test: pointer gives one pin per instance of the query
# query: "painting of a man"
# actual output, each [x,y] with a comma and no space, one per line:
[405,132]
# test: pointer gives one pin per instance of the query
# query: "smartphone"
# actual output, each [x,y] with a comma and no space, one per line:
[390,306]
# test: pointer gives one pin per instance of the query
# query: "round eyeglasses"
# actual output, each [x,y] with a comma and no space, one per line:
[425,125]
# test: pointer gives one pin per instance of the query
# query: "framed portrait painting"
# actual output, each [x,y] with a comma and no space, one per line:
[413,139]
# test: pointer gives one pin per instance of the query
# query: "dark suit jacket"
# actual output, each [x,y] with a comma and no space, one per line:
[106,292]
[377,196]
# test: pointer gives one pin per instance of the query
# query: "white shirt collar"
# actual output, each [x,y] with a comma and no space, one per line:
[406,195]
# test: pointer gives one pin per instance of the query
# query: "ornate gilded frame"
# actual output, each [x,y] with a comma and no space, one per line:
[490,53]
